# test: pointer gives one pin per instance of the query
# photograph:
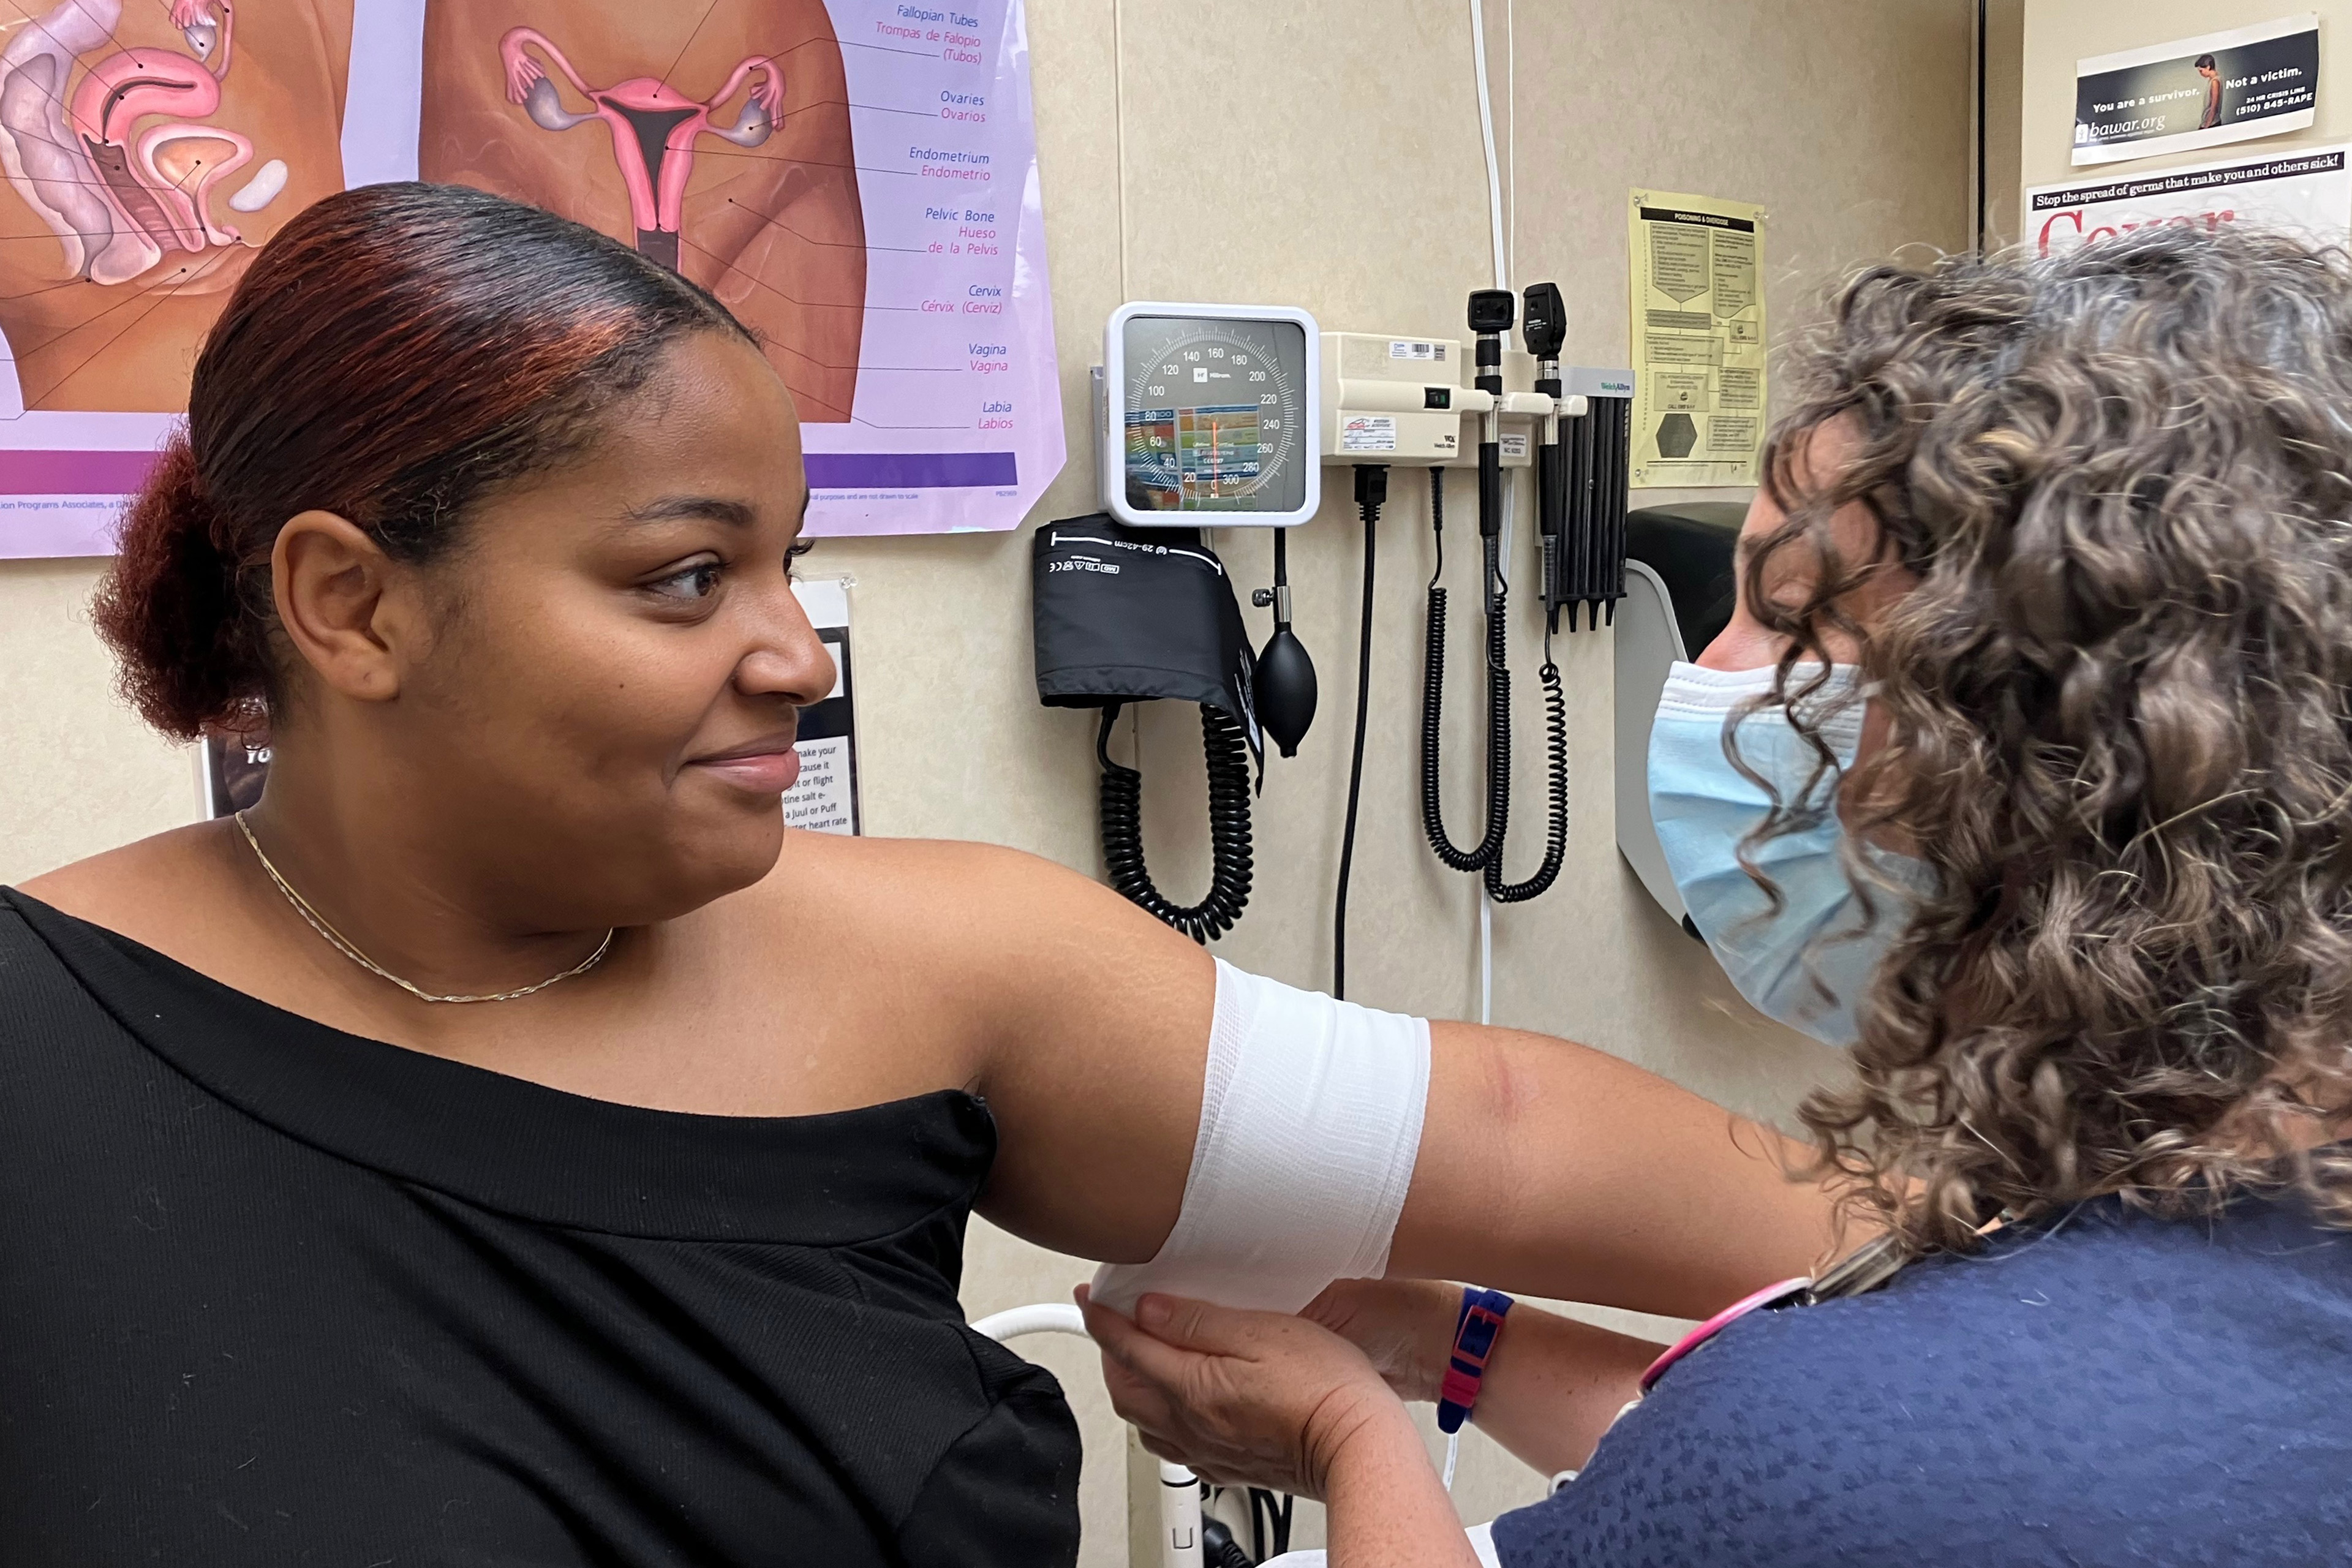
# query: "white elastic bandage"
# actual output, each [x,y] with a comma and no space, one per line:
[1310,1122]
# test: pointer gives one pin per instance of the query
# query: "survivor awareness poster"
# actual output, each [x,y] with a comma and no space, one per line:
[856,179]
[2193,93]
[1698,340]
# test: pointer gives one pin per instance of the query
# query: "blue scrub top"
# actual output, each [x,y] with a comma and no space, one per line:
[2104,1390]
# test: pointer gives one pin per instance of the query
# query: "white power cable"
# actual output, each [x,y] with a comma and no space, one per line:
[1502,280]
[1510,477]
[1486,904]
[1511,94]
[1486,958]
[1118,126]
[1486,132]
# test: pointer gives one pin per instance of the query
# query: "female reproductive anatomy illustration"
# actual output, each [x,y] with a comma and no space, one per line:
[152,152]
[654,126]
[714,137]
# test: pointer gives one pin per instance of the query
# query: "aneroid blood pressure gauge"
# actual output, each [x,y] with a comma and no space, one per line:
[1214,415]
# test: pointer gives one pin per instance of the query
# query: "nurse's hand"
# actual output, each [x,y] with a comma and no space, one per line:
[1405,1327]
[1240,1398]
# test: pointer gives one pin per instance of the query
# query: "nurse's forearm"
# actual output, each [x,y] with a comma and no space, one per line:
[1553,1386]
[1385,1508]
[1552,1169]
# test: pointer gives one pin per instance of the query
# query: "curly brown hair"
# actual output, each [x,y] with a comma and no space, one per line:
[2120,722]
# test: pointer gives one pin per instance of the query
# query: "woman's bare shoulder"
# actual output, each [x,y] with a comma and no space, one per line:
[908,886]
[141,888]
[970,913]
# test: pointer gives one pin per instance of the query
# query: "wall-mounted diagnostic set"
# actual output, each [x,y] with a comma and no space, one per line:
[1400,401]
[1212,417]
[1222,416]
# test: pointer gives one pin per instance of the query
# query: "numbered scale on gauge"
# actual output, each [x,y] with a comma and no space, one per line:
[1212,411]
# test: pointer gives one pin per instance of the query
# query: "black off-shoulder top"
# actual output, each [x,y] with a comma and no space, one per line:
[270,1292]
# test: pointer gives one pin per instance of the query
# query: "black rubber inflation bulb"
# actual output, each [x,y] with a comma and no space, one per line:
[1285,689]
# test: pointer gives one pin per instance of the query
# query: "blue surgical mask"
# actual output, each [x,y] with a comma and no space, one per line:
[1704,808]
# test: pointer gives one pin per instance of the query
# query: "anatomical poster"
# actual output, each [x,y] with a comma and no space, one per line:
[1698,340]
[150,147]
[856,179]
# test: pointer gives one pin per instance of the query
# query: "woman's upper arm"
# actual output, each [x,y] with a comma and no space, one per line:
[1096,1021]
[1545,1167]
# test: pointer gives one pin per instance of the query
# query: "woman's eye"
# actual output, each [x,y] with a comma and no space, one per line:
[697,581]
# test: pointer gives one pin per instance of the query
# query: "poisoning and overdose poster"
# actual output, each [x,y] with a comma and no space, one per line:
[1699,339]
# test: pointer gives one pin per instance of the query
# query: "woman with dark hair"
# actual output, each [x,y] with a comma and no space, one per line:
[2033,732]
[506,1144]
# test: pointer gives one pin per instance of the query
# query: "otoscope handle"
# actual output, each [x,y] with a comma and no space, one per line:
[1491,313]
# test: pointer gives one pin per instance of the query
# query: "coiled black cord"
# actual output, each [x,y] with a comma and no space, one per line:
[1488,858]
[1556,749]
[1219,1549]
[1271,1534]
[1433,712]
[1226,754]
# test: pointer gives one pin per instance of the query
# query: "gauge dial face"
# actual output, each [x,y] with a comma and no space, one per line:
[1216,415]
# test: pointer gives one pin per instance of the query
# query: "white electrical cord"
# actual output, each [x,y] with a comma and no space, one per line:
[1502,280]
[1452,1454]
[1511,93]
[1118,124]
[1510,477]
[1486,958]
[1487,132]
[1486,904]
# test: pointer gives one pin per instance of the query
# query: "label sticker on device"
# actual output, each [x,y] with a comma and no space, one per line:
[1400,349]
[1515,444]
[1369,432]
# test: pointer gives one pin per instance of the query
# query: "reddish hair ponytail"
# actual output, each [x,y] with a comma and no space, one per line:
[170,608]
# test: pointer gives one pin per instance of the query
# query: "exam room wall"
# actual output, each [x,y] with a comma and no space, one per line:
[1360,193]
[2060,31]
[1364,198]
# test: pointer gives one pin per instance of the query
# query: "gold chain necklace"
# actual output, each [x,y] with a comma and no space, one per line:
[343,944]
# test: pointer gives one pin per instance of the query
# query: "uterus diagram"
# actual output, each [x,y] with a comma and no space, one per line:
[124,164]
[654,126]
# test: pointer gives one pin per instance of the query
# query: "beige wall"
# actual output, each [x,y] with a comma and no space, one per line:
[2060,31]
[1368,210]
[2005,107]
[1359,194]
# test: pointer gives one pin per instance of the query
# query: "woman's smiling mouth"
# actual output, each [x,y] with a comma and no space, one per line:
[768,765]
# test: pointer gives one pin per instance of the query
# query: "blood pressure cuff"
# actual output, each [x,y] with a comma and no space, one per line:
[1128,614]
[1310,1126]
